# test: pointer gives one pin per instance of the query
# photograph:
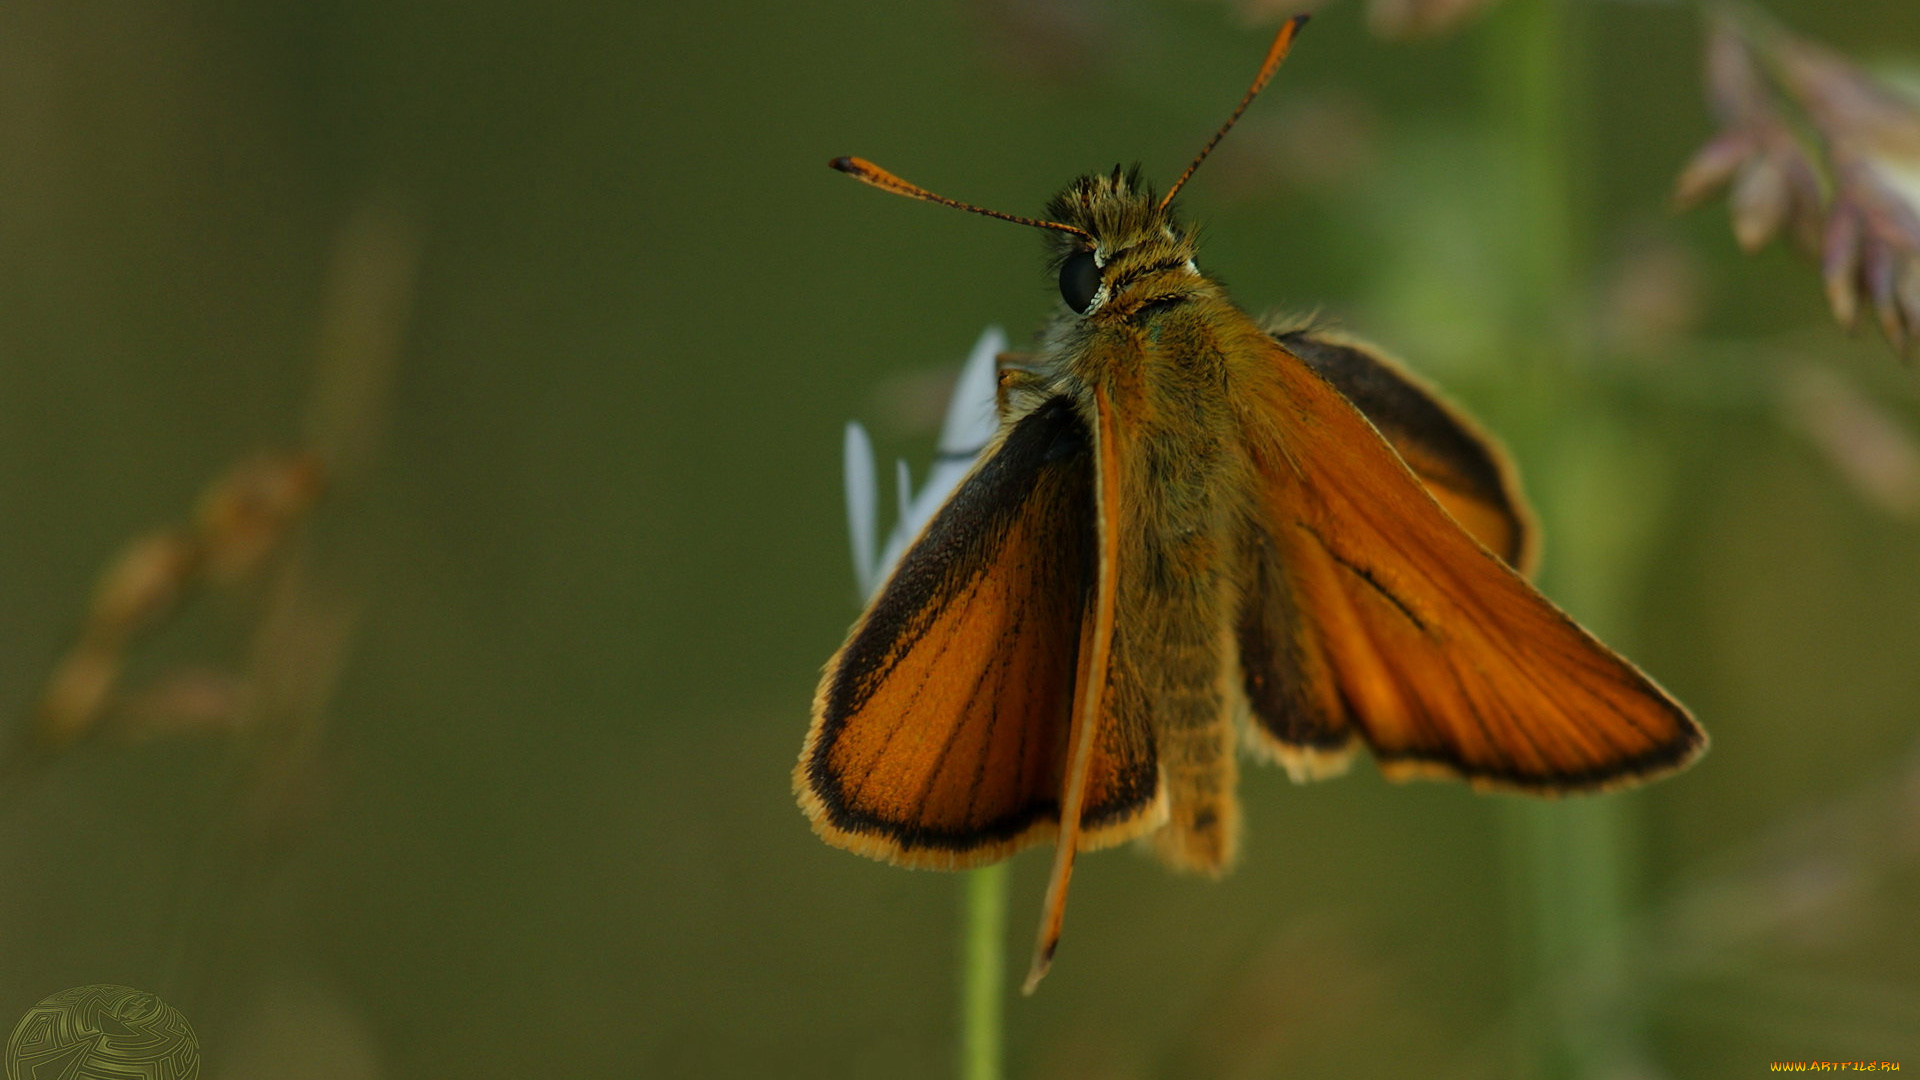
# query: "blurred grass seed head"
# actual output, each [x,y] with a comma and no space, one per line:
[1811,145]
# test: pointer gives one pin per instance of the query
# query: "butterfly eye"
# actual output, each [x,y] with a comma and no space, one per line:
[1079,281]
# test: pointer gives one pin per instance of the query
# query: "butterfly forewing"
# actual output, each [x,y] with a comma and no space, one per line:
[940,728]
[1442,657]
[1460,465]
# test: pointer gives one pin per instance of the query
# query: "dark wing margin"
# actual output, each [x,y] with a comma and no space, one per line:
[940,728]
[1462,466]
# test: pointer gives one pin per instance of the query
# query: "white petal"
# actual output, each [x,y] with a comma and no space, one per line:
[903,497]
[972,415]
[862,500]
[972,418]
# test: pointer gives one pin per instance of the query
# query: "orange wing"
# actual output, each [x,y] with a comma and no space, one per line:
[1461,465]
[1372,611]
[939,734]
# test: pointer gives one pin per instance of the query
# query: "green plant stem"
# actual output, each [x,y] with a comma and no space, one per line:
[1568,862]
[983,969]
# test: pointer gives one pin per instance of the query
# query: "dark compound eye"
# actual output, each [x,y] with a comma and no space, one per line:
[1079,281]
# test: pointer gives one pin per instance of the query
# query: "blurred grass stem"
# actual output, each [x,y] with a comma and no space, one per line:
[983,973]
[1567,860]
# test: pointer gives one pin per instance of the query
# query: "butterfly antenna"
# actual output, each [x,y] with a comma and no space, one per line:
[1282,42]
[868,173]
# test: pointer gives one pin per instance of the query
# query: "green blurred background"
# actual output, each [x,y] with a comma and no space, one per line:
[587,313]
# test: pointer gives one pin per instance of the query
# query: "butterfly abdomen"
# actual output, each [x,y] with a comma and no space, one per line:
[1175,568]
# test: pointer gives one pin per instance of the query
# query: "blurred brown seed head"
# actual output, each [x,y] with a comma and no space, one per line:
[1652,300]
[143,583]
[1404,19]
[75,695]
[138,589]
[244,515]
[191,701]
[242,519]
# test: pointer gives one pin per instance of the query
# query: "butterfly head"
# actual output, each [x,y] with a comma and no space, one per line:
[1119,250]
[1125,247]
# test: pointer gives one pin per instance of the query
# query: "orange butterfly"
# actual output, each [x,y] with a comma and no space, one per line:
[1187,525]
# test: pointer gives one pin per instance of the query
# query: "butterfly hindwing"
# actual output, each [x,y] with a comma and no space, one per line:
[940,729]
[1287,678]
[1401,627]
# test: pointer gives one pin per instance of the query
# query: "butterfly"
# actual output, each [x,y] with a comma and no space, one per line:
[1193,530]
